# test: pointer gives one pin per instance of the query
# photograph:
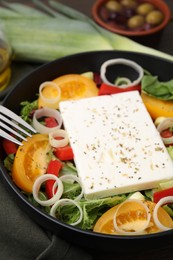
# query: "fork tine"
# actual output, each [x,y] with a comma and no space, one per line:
[16,122]
[9,137]
[12,115]
[12,131]
[12,124]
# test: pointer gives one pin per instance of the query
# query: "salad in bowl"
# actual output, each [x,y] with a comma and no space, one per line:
[101,162]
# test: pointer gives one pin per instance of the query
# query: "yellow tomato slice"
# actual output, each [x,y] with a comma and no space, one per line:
[30,161]
[156,107]
[131,215]
[105,223]
[73,86]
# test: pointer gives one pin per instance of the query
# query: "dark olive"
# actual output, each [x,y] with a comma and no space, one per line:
[136,21]
[113,6]
[129,3]
[145,8]
[154,17]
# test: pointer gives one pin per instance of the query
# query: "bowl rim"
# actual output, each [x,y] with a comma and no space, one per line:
[159,3]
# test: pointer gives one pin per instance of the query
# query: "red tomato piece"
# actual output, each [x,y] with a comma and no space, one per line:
[9,147]
[166,133]
[97,79]
[50,122]
[64,153]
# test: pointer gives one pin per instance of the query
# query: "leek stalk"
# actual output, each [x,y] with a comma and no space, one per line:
[54,31]
[45,40]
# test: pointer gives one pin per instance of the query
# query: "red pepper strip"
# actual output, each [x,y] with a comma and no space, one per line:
[54,168]
[107,90]
[64,153]
[50,122]
[161,194]
[9,147]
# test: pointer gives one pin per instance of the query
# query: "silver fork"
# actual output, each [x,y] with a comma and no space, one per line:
[12,123]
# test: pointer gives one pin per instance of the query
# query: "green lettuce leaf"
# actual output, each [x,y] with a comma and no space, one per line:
[71,190]
[169,209]
[8,162]
[27,110]
[93,209]
[170,151]
[161,90]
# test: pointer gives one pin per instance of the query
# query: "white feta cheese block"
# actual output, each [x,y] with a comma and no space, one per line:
[117,148]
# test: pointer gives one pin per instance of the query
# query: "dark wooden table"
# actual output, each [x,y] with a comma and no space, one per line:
[162,42]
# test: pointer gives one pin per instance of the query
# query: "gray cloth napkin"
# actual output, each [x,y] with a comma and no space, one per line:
[23,239]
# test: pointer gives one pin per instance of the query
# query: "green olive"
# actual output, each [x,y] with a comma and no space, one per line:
[113,6]
[136,21]
[129,3]
[145,8]
[154,17]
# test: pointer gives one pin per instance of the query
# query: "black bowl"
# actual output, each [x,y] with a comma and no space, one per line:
[26,90]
